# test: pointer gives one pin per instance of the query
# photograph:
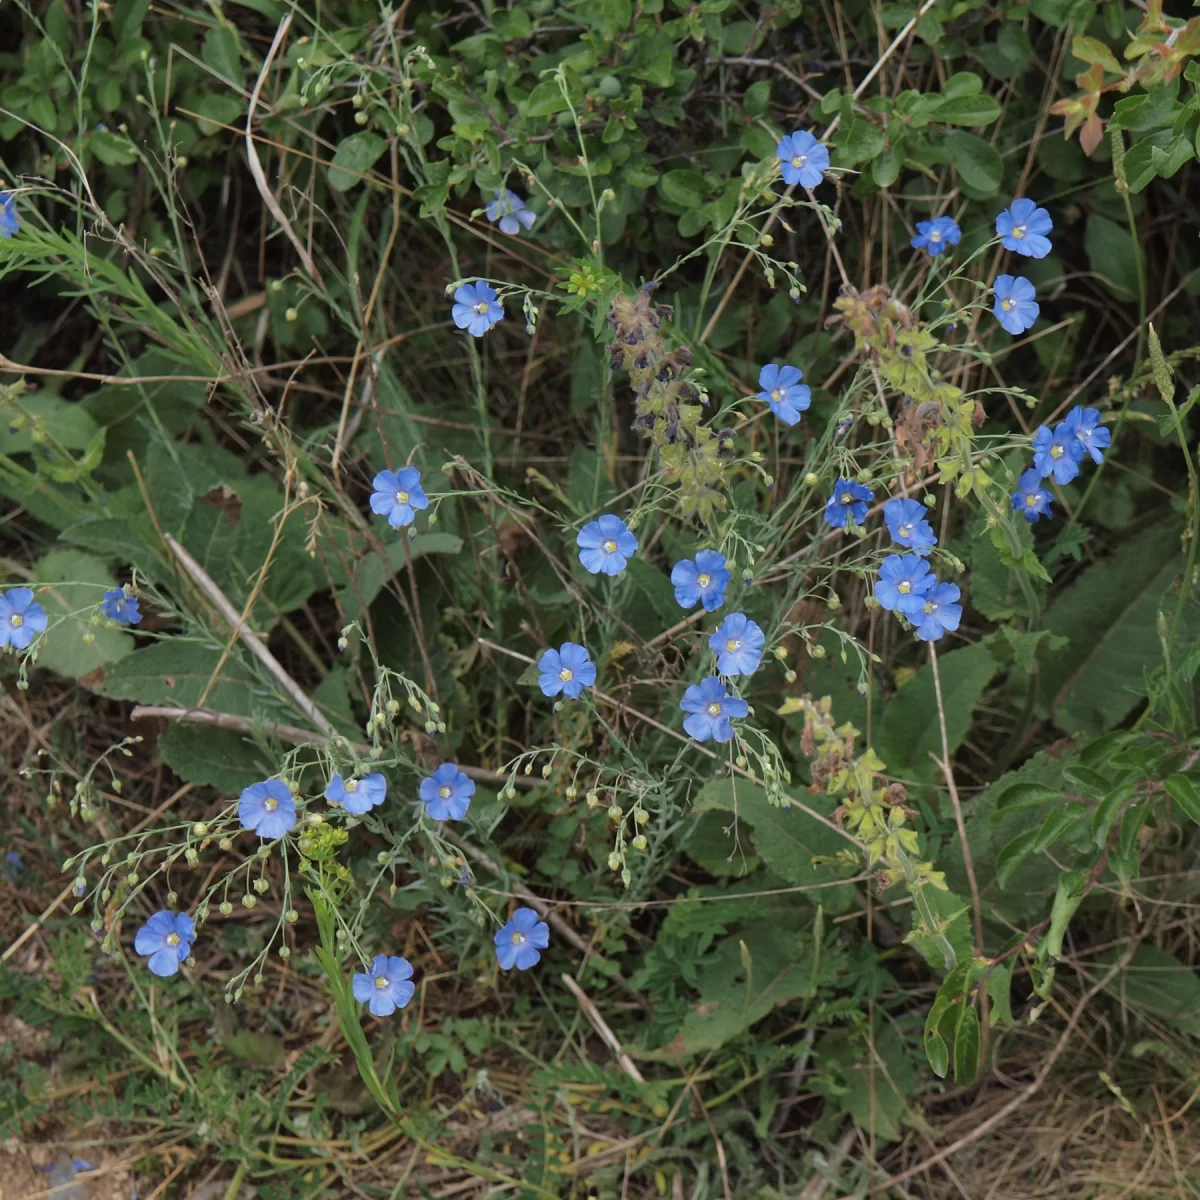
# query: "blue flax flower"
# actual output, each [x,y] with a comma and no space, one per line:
[711,708]
[476,308]
[397,495]
[568,670]
[934,236]
[268,808]
[357,796]
[1091,435]
[904,580]
[8,215]
[939,612]
[849,500]
[167,940]
[447,793]
[1015,307]
[802,159]
[701,581]
[509,210]
[12,866]
[606,545]
[1030,499]
[387,986]
[738,644]
[1023,228]
[519,943]
[21,618]
[907,524]
[783,391]
[118,605]
[1057,453]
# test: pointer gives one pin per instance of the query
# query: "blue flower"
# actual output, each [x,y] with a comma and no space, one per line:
[711,707]
[1057,453]
[1091,435]
[606,545]
[939,612]
[81,1164]
[387,987]
[907,524]
[802,159]
[12,866]
[568,670]
[8,215]
[904,580]
[167,939]
[509,210]
[934,236]
[1015,306]
[1023,228]
[738,644]
[447,793]
[21,618]
[269,808]
[1030,499]
[397,494]
[702,581]
[357,796]
[783,391]
[520,942]
[849,500]
[476,308]
[118,605]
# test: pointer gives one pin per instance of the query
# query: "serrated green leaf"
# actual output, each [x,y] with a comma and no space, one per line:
[217,758]
[1021,795]
[78,581]
[1010,858]
[966,1046]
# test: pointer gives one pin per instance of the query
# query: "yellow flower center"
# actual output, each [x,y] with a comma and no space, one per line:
[1056,451]
[610,547]
[352,786]
[1008,305]
[704,580]
[904,587]
[1018,231]
[1031,499]
[445,792]
[381,981]
[935,236]
[714,710]
[518,938]
[799,160]
[481,308]
[270,804]
[776,394]
[172,939]
[16,620]
[733,644]
[566,674]
[905,530]
[847,498]
[929,606]
[401,497]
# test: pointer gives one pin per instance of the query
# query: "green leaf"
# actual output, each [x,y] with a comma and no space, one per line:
[977,162]
[969,111]
[910,732]
[786,839]
[1106,812]
[1092,50]
[861,142]
[718,852]
[40,416]
[177,671]
[1183,791]
[1113,256]
[1109,615]
[1010,858]
[354,157]
[1156,984]
[966,1046]
[1021,795]
[79,581]
[877,1087]
[373,570]
[1067,899]
[684,187]
[546,99]
[886,168]
[218,758]
[1056,824]
[221,53]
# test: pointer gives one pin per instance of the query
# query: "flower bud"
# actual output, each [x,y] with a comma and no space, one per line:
[639,842]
